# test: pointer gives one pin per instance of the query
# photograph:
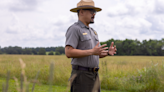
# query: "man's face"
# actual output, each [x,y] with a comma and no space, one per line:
[89,15]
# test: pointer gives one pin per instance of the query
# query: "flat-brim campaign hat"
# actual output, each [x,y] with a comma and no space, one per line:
[86,4]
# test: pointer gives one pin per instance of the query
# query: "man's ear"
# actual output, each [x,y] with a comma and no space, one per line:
[81,12]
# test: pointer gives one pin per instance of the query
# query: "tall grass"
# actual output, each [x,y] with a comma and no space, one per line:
[129,74]
[124,76]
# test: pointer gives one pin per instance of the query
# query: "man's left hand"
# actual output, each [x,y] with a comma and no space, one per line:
[112,49]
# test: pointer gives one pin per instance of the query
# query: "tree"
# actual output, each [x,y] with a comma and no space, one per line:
[51,53]
[57,53]
[135,47]
[1,52]
[28,51]
[124,47]
[34,52]
[60,49]
[50,49]
[118,43]
[11,50]
[42,51]
[18,49]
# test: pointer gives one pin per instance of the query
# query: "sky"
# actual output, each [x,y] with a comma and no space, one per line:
[43,23]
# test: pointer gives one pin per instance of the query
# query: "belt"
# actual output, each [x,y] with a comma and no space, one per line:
[76,67]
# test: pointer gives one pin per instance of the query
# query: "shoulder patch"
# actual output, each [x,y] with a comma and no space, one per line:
[95,32]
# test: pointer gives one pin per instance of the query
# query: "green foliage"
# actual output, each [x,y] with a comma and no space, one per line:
[146,80]
[135,47]
[42,51]
[12,50]
[51,53]
[27,51]
[39,87]
[57,53]
[60,49]
[1,52]
[50,49]
[124,47]
[34,52]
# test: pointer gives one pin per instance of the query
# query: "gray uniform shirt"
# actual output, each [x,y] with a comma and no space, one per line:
[82,37]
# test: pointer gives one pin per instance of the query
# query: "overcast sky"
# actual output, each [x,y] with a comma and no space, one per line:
[43,23]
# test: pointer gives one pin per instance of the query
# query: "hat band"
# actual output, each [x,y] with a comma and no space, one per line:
[85,6]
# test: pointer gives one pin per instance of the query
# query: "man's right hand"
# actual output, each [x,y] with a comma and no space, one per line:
[98,50]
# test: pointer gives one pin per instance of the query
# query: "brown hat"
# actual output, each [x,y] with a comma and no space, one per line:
[84,4]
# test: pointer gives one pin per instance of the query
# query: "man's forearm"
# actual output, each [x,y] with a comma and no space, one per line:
[76,53]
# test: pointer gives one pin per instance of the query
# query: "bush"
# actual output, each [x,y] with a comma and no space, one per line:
[51,53]
[42,51]
[34,52]
[57,53]
[60,49]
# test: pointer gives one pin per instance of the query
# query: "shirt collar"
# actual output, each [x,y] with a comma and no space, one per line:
[82,24]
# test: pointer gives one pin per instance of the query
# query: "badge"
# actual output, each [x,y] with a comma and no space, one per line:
[95,32]
[84,33]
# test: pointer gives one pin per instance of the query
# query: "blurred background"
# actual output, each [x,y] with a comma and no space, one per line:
[36,29]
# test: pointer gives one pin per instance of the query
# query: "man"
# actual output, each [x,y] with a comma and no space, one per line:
[83,46]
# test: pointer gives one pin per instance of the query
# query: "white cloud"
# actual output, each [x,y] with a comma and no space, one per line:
[40,23]
[133,20]
[159,6]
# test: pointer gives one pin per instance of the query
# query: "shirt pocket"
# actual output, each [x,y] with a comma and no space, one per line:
[85,42]
[85,38]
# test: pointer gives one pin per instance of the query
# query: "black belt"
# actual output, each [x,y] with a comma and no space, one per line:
[76,67]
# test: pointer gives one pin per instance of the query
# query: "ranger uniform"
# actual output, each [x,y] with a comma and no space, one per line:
[79,36]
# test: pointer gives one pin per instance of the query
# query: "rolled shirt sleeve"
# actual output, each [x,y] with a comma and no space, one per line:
[72,37]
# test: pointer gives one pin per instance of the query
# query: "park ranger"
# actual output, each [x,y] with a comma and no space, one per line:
[82,45]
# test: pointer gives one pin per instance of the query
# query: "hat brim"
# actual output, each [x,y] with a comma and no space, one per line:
[78,8]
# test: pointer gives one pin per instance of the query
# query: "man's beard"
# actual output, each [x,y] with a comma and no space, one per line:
[91,22]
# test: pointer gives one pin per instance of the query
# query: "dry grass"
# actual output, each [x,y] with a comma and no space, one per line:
[110,67]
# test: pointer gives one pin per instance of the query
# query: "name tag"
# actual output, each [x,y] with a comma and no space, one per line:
[84,33]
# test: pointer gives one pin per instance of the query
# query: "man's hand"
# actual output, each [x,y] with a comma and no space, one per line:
[98,50]
[77,53]
[112,50]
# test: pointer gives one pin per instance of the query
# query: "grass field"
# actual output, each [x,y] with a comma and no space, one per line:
[117,73]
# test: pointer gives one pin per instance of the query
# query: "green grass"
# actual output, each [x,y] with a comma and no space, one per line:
[125,73]
[39,87]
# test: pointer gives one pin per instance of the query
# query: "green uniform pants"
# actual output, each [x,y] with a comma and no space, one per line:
[85,81]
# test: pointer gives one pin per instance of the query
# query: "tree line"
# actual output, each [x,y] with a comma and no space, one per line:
[135,47]
[35,51]
[124,47]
